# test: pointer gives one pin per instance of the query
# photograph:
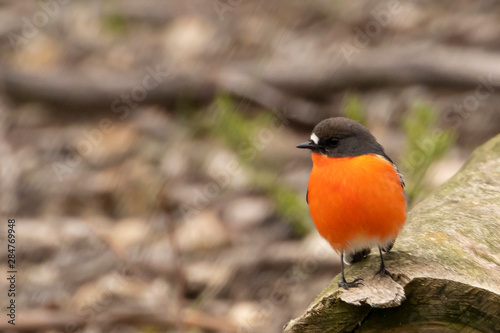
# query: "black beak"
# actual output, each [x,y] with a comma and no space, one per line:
[308,144]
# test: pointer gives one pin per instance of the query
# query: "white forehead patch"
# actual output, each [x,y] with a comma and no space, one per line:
[315,138]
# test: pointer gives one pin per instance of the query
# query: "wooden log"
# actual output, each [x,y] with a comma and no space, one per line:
[416,64]
[69,89]
[446,265]
[276,82]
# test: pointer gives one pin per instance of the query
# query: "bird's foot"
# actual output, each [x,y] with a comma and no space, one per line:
[383,272]
[346,285]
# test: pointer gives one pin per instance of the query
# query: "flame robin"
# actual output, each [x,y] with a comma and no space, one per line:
[355,192]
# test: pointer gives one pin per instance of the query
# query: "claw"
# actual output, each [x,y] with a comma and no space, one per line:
[343,283]
[346,285]
[383,272]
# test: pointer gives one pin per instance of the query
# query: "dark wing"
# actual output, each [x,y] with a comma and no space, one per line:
[307,196]
[396,168]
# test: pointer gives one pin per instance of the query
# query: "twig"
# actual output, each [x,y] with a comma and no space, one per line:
[177,261]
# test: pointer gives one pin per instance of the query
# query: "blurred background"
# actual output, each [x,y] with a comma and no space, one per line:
[148,148]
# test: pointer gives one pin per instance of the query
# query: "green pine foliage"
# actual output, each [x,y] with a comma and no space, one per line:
[229,124]
[425,144]
[353,109]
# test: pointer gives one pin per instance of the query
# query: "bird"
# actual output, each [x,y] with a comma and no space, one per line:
[355,192]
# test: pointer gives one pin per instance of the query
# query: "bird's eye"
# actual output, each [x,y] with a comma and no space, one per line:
[332,142]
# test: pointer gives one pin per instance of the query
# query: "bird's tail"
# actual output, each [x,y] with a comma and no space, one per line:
[351,257]
[355,256]
[388,246]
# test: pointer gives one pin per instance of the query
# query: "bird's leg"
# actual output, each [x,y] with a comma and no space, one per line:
[343,283]
[382,270]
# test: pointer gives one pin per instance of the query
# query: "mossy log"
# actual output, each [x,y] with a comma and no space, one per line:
[446,265]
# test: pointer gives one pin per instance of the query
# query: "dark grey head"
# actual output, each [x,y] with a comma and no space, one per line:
[341,137]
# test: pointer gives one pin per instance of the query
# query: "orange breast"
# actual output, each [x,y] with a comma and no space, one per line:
[357,201]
